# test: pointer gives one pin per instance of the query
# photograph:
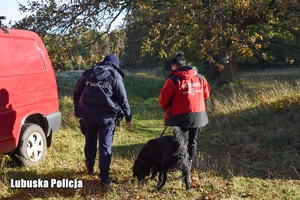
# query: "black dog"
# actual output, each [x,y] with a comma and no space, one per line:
[161,154]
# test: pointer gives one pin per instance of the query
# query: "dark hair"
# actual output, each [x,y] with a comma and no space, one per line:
[178,59]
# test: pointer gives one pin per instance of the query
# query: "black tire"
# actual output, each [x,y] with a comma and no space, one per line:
[32,146]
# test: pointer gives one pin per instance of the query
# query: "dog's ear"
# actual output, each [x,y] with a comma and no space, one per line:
[135,168]
[147,170]
[141,167]
[176,131]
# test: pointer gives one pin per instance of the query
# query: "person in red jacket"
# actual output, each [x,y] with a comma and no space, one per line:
[183,99]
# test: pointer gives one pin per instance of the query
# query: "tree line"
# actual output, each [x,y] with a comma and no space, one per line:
[218,35]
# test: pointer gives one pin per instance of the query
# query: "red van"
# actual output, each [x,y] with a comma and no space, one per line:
[29,106]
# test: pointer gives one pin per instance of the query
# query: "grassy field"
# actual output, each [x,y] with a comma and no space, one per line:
[249,150]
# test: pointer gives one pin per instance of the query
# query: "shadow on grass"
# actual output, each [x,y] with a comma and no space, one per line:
[261,142]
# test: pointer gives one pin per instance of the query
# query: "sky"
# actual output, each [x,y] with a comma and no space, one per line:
[9,8]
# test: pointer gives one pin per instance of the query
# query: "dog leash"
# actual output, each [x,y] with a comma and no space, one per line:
[163,131]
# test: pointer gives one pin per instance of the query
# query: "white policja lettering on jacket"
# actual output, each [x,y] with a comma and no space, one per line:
[190,85]
[102,84]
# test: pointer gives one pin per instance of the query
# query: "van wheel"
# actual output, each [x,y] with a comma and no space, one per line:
[31,150]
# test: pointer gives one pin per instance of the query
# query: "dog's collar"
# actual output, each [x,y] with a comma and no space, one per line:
[144,162]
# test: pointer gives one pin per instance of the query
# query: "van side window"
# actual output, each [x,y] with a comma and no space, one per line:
[21,57]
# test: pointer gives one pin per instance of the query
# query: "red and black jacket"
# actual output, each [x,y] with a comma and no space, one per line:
[183,98]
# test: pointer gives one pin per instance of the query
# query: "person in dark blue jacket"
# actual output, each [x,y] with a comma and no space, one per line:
[99,99]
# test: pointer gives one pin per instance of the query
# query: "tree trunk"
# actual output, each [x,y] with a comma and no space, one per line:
[167,64]
[233,59]
[214,72]
[226,73]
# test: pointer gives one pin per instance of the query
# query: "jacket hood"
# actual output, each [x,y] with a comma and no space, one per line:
[96,73]
[112,59]
[185,72]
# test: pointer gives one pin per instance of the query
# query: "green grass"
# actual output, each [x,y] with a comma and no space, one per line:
[249,150]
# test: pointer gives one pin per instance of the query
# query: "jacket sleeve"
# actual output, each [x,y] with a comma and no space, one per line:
[77,92]
[121,96]
[206,89]
[166,94]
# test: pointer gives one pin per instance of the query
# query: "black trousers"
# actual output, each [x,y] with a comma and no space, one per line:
[190,135]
